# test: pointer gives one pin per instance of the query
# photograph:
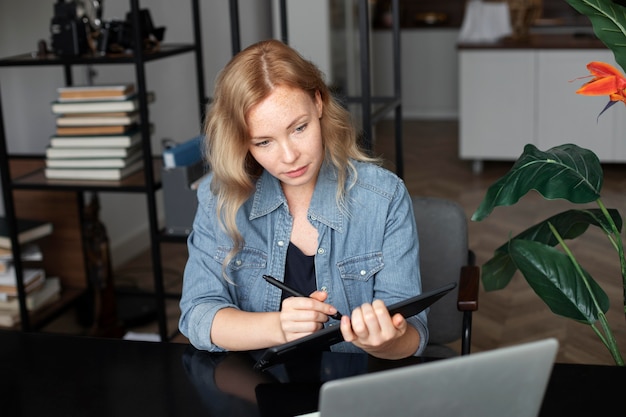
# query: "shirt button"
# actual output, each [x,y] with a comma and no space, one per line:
[281,243]
[238,262]
[324,288]
[320,250]
[363,272]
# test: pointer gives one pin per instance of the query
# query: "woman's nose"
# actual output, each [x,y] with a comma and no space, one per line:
[290,152]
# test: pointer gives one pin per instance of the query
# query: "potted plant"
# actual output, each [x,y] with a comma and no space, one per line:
[575,174]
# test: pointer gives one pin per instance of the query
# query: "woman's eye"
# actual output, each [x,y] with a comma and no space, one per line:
[262,143]
[301,128]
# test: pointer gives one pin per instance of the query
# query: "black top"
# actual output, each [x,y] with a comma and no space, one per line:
[299,271]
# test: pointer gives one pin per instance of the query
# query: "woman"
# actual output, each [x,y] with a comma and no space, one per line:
[291,195]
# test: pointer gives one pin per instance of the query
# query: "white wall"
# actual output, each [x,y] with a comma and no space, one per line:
[308,28]
[326,31]
[429,67]
[26,92]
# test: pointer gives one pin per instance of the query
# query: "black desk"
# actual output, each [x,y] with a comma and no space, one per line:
[50,375]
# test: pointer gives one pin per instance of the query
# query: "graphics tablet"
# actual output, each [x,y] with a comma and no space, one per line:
[332,334]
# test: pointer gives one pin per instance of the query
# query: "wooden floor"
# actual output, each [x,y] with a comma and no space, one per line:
[514,314]
[505,317]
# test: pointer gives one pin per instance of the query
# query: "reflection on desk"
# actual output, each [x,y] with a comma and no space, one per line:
[284,390]
[56,375]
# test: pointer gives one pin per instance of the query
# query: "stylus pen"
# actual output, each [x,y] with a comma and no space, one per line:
[282,286]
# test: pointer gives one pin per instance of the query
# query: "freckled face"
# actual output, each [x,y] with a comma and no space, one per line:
[285,136]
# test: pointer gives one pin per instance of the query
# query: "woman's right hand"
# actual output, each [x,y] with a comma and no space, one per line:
[301,316]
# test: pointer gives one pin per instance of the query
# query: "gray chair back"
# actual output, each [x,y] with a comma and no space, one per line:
[443,245]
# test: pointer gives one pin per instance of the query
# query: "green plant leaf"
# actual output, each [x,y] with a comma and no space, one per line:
[565,171]
[569,224]
[498,271]
[552,275]
[608,20]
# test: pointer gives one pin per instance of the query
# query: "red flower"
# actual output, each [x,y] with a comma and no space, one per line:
[607,81]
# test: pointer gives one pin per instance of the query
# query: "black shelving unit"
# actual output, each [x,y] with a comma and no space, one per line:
[147,181]
[367,100]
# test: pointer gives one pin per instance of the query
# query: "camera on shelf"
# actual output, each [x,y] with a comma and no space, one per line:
[77,28]
[114,36]
[70,29]
[117,36]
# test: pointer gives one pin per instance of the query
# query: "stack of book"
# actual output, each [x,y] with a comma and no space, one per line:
[40,290]
[97,133]
[28,230]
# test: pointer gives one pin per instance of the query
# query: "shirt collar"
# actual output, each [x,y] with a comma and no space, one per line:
[269,196]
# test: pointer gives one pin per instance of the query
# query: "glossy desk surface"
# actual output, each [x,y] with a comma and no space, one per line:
[52,375]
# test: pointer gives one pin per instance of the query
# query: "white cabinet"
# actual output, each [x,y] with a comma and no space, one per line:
[509,98]
[496,103]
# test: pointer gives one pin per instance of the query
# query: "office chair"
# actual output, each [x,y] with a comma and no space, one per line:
[445,257]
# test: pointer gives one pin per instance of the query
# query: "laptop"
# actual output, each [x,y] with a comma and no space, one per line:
[509,382]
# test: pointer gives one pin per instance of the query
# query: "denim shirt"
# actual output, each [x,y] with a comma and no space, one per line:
[366,251]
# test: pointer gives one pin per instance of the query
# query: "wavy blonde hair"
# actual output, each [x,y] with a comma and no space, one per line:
[244,82]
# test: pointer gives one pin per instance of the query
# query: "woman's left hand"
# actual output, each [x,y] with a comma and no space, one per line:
[371,328]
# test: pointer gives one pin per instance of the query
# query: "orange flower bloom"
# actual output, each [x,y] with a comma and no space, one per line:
[607,81]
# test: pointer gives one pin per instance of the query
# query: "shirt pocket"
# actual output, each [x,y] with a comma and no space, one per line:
[244,271]
[357,274]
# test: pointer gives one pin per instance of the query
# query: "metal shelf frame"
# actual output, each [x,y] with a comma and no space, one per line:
[148,181]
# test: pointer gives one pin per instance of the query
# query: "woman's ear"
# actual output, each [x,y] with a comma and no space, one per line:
[319,104]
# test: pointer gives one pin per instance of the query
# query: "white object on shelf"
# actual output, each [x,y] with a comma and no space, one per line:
[146,337]
[485,22]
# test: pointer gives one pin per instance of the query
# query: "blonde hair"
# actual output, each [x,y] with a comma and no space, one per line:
[245,81]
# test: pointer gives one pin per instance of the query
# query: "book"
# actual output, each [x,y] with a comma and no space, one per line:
[94,92]
[93,174]
[89,153]
[8,280]
[98,114]
[93,162]
[184,154]
[9,318]
[61,99]
[98,119]
[94,130]
[49,291]
[98,106]
[5,264]
[30,252]
[27,231]
[97,141]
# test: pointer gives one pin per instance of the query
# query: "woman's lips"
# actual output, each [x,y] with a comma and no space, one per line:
[297,172]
